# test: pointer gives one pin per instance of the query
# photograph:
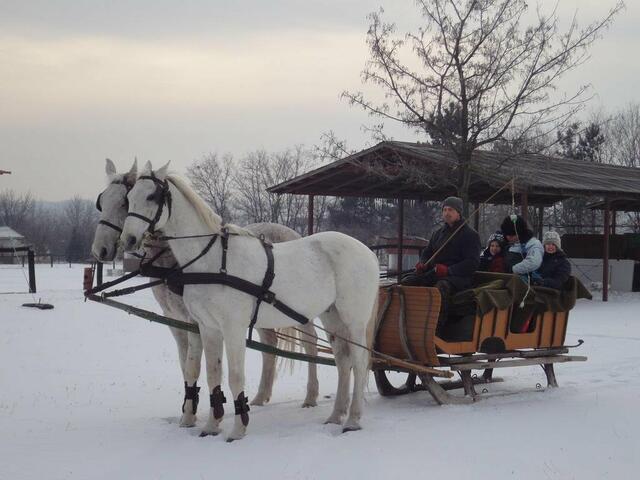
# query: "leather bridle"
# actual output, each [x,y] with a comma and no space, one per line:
[162,196]
[128,187]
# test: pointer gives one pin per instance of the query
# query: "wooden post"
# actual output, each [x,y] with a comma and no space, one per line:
[310,216]
[613,222]
[99,269]
[476,217]
[524,206]
[400,235]
[32,271]
[51,259]
[605,253]
[540,220]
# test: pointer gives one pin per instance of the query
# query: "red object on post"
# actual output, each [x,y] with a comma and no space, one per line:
[87,281]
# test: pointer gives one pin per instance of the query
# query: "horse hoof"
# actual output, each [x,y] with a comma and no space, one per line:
[309,404]
[351,428]
[208,434]
[333,421]
[188,422]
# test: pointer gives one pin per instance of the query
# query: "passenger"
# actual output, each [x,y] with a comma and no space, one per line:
[525,252]
[555,269]
[492,258]
[457,257]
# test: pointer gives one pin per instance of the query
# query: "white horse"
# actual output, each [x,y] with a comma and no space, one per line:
[329,275]
[113,205]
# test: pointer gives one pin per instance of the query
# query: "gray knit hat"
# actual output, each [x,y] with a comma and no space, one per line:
[453,202]
[553,238]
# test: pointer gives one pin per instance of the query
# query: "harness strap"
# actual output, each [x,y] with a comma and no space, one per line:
[266,282]
[124,278]
[224,239]
[128,290]
[110,225]
[239,284]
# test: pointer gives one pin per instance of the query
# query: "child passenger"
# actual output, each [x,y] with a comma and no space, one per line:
[555,269]
[492,257]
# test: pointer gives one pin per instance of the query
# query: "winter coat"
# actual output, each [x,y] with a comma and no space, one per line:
[461,255]
[490,263]
[555,270]
[525,259]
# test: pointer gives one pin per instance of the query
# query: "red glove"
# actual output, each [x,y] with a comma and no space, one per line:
[420,267]
[441,270]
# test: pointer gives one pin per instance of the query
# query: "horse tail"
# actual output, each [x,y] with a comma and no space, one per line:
[288,339]
[372,326]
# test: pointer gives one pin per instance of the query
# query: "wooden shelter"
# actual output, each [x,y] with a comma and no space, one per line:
[402,170]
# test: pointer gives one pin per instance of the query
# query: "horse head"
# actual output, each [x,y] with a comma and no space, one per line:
[149,206]
[112,204]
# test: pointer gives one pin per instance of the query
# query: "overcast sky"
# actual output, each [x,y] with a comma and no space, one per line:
[165,80]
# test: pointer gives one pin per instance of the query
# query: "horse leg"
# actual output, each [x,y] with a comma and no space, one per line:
[236,349]
[311,348]
[191,375]
[268,337]
[212,341]
[182,342]
[360,361]
[340,349]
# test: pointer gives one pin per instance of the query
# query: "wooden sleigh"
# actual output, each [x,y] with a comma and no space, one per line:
[501,331]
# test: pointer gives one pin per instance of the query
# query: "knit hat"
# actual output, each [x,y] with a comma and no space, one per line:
[516,226]
[453,202]
[496,237]
[553,238]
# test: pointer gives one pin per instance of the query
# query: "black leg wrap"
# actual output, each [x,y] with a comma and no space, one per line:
[191,393]
[217,399]
[242,408]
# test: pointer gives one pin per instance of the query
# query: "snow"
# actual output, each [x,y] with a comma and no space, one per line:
[88,392]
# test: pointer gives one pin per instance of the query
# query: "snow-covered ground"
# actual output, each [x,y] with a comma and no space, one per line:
[88,392]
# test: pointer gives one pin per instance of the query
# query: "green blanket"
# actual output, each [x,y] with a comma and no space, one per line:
[501,290]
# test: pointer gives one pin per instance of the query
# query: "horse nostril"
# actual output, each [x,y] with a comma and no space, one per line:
[131,241]
[103,253]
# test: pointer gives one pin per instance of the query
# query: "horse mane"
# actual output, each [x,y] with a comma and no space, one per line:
[204,211]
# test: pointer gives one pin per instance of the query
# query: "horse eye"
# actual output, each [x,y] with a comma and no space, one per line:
[151,197]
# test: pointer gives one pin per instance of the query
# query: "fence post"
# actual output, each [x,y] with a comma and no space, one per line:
[99,267]
[32,271]
[51,259]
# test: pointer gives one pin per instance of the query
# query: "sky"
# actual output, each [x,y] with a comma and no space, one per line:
[162,80]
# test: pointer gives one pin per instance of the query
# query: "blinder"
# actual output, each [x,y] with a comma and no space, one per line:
[98,205]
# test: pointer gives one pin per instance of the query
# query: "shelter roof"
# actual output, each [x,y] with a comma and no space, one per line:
[417,171]
[9,233]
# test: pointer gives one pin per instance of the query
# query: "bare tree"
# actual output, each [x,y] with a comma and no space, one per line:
[15,209]
[259,170]
[623,146]
[212,178]
[476,64]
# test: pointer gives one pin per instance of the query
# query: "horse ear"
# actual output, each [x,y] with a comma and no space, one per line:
[132,174]
[148,168]
[162,173]
[110,168]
